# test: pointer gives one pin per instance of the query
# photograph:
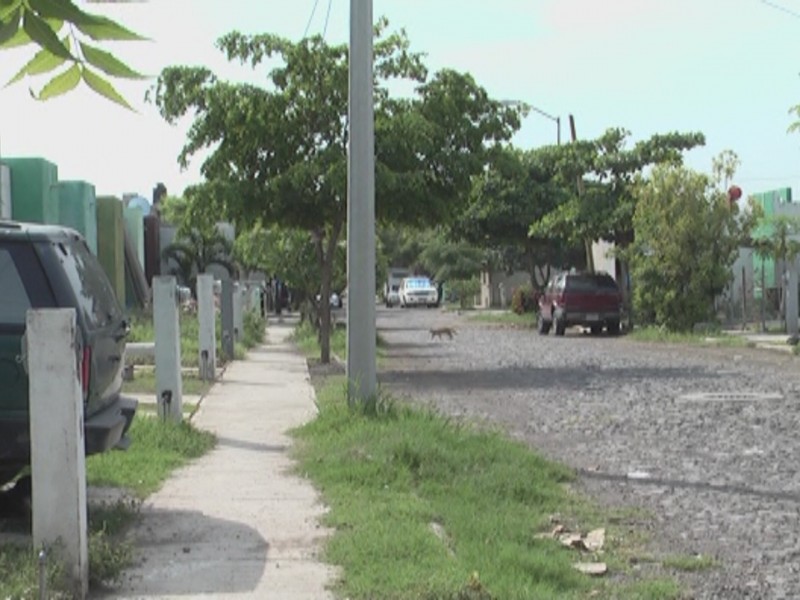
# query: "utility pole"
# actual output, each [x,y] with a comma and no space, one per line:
[361,378]
[587,243]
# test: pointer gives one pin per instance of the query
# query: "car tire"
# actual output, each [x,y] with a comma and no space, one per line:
[613,327]
[596,329]
[543,325]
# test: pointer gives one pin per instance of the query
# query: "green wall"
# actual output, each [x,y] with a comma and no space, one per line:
[34,194]
[110,243]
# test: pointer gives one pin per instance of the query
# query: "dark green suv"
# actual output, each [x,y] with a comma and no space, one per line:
[52,267]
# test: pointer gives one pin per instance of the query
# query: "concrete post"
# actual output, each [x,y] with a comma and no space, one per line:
[206,317]
[226,308]
[169,381]
[791,300]
[58,467]
[238,311]
[361,367]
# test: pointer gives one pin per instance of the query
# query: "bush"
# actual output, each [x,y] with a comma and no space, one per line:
[524,299]
[465,290]
[254,325]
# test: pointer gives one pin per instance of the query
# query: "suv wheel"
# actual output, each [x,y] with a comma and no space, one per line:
[613,327]
[596,329]
[543,325]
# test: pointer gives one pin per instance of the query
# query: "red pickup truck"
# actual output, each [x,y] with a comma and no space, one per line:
[589,299]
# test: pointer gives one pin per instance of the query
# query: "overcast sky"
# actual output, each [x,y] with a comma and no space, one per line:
[727,68]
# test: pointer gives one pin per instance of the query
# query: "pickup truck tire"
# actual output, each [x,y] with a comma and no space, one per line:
[561,325]
[543,325]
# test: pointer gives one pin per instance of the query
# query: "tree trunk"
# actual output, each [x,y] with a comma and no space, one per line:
[325,255]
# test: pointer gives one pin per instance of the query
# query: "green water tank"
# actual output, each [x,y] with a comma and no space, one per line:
[111,243]
[34,194]
[77,208]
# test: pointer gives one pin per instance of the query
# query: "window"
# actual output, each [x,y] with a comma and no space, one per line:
[15,302]
[23,283]
[94,294]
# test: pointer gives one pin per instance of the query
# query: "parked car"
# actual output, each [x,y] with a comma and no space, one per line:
[589,299]
[417,291]
[52,267]
[392,297]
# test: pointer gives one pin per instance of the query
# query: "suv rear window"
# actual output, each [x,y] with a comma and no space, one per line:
[23,283]
[94,294]
[15,302]
[589,283]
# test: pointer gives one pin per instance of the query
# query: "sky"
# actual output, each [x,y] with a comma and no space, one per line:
[727,68]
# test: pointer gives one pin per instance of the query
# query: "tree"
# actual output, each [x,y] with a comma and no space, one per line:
[62,30]
[518,188]
[686,239]
[280,152]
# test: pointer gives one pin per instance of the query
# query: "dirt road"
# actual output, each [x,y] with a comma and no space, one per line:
[707,440]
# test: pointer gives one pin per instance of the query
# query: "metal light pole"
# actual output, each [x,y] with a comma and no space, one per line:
[361,379]
[537,110]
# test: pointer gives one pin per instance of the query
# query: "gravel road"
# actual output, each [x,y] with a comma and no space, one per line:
[706,440]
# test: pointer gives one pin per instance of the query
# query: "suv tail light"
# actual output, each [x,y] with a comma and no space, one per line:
[86,371]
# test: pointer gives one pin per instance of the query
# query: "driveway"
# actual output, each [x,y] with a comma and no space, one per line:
[706,440]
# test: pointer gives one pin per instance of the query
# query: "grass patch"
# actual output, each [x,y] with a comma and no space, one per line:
[157,448]
[187,408]
[525,320]
[305,336]
[661,335]
[253,334]
[447,510]
[691,563]
[145,383]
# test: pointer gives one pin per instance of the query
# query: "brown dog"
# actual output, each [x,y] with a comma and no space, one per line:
[440,332]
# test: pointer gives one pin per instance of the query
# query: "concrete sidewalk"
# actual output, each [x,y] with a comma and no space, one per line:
[235,523]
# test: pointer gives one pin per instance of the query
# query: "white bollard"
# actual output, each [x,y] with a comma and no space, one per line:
[238,311]
[791,300]
[58,461]
[169,382]
[207,320]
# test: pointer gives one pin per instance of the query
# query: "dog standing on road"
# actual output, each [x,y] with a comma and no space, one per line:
[440,332]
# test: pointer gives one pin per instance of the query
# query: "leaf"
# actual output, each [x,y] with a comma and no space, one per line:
[63,10]
[9,7]
[61,84]
[595,569]
[41,33]
[108,63]
[104,88]
[103,28]
[20,38]
[43,62]
[9,28]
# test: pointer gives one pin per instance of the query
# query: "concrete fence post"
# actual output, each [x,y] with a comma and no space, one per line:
[238,311]
[791,300]
[206,316]
[169,381]
[58,462]
[226,306]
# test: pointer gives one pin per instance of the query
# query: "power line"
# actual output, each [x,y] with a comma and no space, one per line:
[327,16]
[788,11]
[310,18]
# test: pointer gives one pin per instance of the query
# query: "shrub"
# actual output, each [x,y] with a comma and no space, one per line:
[465,290]
[524,299]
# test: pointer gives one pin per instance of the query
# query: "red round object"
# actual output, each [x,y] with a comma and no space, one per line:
[734,192]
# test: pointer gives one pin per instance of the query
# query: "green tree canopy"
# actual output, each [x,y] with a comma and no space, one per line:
[279,152]
[687,237]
